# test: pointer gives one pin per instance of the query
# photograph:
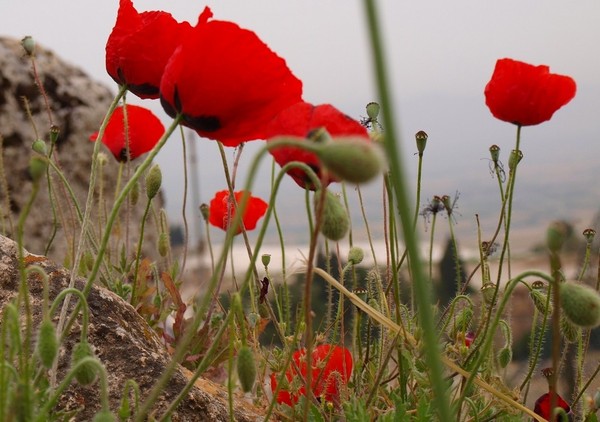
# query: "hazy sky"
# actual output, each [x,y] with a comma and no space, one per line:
[441,53]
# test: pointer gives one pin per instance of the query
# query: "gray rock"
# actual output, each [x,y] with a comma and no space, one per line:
[77,105]
[123,341]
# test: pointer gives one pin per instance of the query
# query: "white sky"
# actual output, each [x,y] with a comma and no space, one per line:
[441,53]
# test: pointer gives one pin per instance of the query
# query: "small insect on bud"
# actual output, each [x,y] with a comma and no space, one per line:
[28,44]
[85,374]
[153,181]
[352,159]
[373,109]
[246,368]
[265,259]
[589,235]
[580,303]
[556,235]
[421,139]
[335,220]
[39,146]
[47,344]
[355,255]
[514,158]
[495,153]
[37,168]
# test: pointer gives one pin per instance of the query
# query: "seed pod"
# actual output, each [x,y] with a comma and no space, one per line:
[352,159]
[373,110]
[246,368]
[580,303]
[47,344]
[85,374]
[421,140]
[335,222]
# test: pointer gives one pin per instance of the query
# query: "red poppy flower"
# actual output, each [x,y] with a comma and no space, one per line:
[139,47]
[144,130]
[331,365]
[221,211]
[526,95]
[302,119]
[469,338]
[226,82]
[542,406]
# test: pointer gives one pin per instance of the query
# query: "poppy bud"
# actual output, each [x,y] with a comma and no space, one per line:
[568,330]
[556,235]
[504,357]
[580,303]
[104,416]
[246,368]
[495,153]
[85,374]
[134,194]
[488,290]
[236,305]
[514,158]
[421,138]
[37,168]
[335,222]
[153,181]
[373,110]
[163,244]
[39,146]
[47,344]
[28,45]
[540,300]
[355,255]
[352,159]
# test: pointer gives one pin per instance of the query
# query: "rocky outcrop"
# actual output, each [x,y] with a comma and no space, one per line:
[77,107]
[126,345]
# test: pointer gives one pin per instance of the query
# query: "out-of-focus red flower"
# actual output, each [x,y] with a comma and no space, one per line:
[221,210]
[301,120]
[331,366]
[139,47]
[226,82]
[526,95]
[542,406]
[144,130]
[469,338]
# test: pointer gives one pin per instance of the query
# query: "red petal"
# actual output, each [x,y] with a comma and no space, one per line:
[218,211]
[542,405]
[526,95]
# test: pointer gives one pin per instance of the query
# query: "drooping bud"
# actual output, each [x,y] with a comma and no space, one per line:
[515,157]
[495,153]
[39,146]
[47,344]
[246,368]
[421,138]
[85,374]
[556,235]
[568,330]
[153,181]
[504,357]
[487,291]
[539,300]
[335,220]
[580,303]
[37,168]
[355,255]
[352,159]
[373,109]
[163,244]
[28,44]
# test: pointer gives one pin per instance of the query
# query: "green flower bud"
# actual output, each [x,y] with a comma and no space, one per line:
[28,45]
[421,139]
[246,368]
[265,259]
[37,168]
[103,160]
[568,330]
[163,244]
[47,344]
[495,153]
[373,110]
[236,305]
[355,255]
[539,300]
[514,158]
[85,374]
[352,159]
[263,310]
[39,146]
[487,291]
[462,321]
[335,223]
[104,416]
[580,303]
[504,357]
[319,136]
[134,194]
[556,235]
[153,181]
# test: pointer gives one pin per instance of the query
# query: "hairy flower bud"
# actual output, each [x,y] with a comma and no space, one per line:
[335,223]
[355,255]
[246,368]
[539,299]
[580,303]
[556,235]
[352,159]
[163,244]
[47,344]
[153,181]
[104,416]
[85,374]
[504,357]
[37,168]
[39,146]
[568,330]
[514,158]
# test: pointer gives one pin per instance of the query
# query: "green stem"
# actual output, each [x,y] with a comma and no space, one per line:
[138,254]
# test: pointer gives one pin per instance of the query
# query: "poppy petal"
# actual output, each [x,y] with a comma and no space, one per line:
[220,212]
